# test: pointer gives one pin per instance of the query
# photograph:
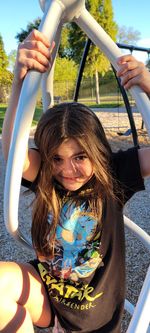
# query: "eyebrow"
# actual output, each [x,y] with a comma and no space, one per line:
[77,154]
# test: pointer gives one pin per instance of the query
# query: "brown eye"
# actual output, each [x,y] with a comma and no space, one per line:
[80,157]
[57,159]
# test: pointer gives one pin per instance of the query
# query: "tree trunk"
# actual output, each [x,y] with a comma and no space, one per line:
[97,87]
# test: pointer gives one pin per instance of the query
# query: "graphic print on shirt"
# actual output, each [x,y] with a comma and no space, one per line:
[74,295]
[76,257]
[76,254]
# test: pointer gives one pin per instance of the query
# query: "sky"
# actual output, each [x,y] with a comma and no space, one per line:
[16,14]
[136,14]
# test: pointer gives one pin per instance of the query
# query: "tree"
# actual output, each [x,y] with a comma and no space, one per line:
[24,33]
[73,39]
[5,75]
[64,80]
[64,48]
[127,35]
[96,62]
[12,59]
[3,60]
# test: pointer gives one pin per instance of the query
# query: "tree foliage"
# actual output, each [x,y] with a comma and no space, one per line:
[65,67]
[102,11]
[127,35]
[65,77]
[12,58]
[5,75]
[64,48]
[24,32]
[96,61]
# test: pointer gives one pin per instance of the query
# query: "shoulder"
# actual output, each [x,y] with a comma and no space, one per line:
[127,171]
[123,158]
[144,160]
[138,158]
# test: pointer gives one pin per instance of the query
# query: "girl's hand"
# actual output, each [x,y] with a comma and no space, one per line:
[33,53]
[133,72]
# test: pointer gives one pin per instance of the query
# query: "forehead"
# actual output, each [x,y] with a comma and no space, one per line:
[69,147]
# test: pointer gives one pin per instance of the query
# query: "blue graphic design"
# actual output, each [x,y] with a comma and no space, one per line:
[76,254]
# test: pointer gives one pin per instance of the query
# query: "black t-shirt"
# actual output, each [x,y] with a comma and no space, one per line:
[96,304]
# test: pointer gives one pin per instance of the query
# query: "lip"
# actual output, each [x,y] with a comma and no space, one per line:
[71,184]
[68,179]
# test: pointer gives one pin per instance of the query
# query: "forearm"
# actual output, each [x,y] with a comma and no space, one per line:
[10,116]
[33,54]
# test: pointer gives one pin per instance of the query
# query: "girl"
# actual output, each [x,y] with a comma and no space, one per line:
[77,231]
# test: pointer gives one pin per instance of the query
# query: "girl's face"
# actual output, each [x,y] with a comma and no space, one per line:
[72,166]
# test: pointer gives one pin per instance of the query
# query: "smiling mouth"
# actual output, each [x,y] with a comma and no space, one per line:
[70,179]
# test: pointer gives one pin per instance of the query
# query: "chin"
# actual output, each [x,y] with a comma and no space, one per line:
[72,188]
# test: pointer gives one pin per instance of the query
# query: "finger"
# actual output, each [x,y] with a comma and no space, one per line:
[130,66]
[27,64]
[35,45]
[132,76]
[34,56]
[40,58]
[32,64]
[41,41]
[125,58]
[132,82]
[39,36]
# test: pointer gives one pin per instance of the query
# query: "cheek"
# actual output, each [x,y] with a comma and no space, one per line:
[56,169]
[56,172]
[87,169]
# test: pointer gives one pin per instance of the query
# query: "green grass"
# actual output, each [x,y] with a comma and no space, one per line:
[37,115]
[2,113]
[104,105]
[3,107]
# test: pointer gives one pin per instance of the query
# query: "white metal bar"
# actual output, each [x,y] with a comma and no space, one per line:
[141,317]
[138,232]
[129,307]
[24,116]
[47,78]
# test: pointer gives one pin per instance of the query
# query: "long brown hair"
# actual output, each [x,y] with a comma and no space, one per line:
[68,120]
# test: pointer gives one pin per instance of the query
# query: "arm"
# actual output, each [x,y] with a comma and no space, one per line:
[33,53]
[133,72]
[144,159]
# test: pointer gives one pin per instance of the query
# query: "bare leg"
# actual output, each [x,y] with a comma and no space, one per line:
[23,299]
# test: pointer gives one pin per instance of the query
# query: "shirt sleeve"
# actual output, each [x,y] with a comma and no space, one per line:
[31,185]
[127,171]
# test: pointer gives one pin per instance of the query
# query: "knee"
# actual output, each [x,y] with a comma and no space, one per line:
[9,279]
[3,276]
[5,281]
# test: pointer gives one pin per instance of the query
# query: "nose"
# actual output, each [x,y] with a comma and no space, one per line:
[69,168]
